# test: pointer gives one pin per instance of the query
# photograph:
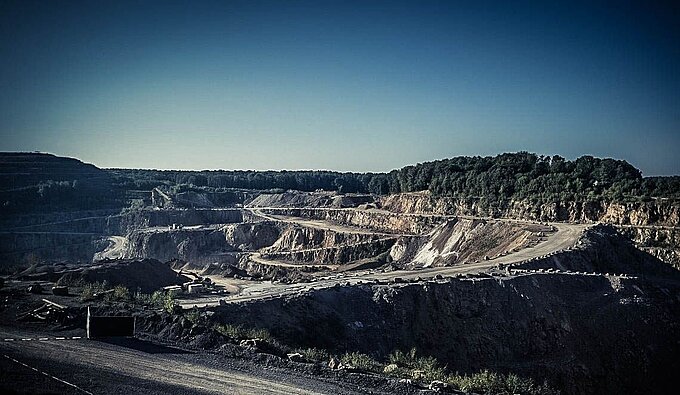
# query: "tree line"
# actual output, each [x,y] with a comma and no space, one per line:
[519,176]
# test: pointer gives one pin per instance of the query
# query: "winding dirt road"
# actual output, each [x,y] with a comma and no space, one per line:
[565,237]
[115,249]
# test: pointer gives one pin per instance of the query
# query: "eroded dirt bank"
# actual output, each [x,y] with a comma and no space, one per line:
[586,335]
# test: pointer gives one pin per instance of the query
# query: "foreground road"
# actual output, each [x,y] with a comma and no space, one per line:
[135,367]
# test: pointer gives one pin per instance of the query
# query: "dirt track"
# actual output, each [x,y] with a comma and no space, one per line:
[565,237]
[115,250]
[133,366]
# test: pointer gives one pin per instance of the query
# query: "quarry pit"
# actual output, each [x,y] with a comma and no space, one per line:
[305,281]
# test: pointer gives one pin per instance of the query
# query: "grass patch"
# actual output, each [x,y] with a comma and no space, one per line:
[486,382]
[159,299]
[361,361]
[97,290]
[314,354]
[417,367]
[239,332]
[193,316]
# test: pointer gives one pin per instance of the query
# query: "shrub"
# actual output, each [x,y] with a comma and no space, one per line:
[170,306]
[425,368]
[91,289]
[314,354]
[361,361]
[238,332]
[193,316]
[120,293]
[486,382]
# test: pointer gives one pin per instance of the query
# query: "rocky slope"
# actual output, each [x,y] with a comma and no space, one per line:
[585,335]
[335,255]
[603,249]
[17,249]
[663,243]
[461,240]
[309,199]
[196,245]
[656,212]
[377,220]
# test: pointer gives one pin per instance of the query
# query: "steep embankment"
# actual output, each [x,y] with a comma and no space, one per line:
[302,244]
[586,335]
[462,240]
[655,212]
[335,255]
[309,199]
[201,244]
[18,249]
[602,249]
[196,245]
[375,220]
[663,243]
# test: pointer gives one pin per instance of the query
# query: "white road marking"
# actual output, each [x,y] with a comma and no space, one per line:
[44,338]
[48,375]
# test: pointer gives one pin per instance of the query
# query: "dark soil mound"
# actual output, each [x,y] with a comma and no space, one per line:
[147,275]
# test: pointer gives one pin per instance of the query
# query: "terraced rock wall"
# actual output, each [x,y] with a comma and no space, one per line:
[655,212]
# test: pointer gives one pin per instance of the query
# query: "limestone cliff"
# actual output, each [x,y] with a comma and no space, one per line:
[655,212]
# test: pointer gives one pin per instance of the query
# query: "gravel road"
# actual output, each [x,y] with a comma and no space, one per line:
[132,366]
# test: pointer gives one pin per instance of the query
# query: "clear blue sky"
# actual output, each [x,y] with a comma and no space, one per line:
[360,86]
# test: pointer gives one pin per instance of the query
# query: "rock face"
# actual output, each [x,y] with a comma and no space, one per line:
[198,246]
[465,240]
[655,212]
[663,243]
[251,236]
[20,248]
[310,199]
[192,199]
[378,220]
[299,244]
[295,238]
[339,255]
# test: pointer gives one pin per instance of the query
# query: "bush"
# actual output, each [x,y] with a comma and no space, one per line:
[314,354]
[193,316]
[91,289]
[425,368]
[361,361]
[170,306]
[238,332]
[120,293]
[486,382]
